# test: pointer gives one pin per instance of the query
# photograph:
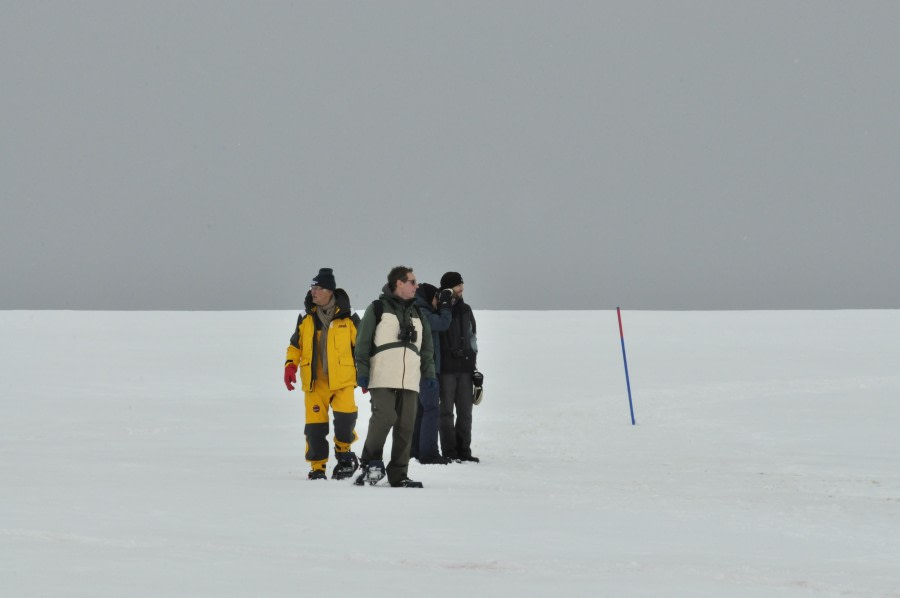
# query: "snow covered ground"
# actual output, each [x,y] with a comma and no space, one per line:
[158,454]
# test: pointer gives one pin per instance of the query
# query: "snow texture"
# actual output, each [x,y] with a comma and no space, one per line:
[158,454]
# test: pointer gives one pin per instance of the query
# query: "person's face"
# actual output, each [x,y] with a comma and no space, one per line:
[458,290]
[320,296]
[406,289]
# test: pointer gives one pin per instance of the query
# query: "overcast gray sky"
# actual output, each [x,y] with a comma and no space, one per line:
[560,155]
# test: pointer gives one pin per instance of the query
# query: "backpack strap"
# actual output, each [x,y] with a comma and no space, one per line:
[378,310]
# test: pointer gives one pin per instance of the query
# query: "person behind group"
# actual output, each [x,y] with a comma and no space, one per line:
[322,349]
[434,308]
[459,351]
[393,353]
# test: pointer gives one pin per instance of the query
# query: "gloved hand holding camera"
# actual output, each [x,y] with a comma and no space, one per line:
[445,298]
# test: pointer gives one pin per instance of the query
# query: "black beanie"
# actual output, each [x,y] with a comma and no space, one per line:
[427,291]
[450,280]
[324,279]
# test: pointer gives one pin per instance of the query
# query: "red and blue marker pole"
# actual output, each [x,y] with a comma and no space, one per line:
[625,361]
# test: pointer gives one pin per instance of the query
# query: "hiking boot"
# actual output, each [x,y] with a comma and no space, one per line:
[372,473]
[468,458]
[347,464]
[317,474]
[406,483]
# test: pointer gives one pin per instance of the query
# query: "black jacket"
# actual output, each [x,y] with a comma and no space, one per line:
[459,347]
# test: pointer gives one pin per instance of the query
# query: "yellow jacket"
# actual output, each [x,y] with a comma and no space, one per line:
[304,347]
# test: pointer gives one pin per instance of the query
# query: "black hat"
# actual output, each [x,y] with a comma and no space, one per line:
[427,291]
[450,280]
[324,279]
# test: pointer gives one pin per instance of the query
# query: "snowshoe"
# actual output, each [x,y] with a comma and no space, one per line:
[317,474]
[372,473]
[347,464]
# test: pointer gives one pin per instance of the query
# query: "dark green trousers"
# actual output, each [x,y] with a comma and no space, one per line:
[391,409]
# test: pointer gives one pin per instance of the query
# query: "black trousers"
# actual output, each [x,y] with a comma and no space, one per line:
[456,432]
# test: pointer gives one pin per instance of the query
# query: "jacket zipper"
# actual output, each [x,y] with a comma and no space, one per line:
[405,344]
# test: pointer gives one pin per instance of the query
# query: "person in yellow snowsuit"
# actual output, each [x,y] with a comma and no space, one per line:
[322,348]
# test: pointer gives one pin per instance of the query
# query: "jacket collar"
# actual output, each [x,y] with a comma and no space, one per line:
[341,303]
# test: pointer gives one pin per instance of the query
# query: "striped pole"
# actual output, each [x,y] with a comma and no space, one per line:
[625,361]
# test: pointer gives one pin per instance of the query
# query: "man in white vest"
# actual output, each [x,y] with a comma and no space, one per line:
[393,352]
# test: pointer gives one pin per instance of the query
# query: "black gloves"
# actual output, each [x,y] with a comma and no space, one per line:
[478,391]
[477,379]
[445,298]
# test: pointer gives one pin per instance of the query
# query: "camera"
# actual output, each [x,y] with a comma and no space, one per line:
[408,333]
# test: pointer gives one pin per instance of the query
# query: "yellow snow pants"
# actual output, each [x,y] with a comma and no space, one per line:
[318,401]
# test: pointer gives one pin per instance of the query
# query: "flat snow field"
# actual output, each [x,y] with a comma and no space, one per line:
[159,454]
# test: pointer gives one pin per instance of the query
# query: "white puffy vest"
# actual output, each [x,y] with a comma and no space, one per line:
[394,364]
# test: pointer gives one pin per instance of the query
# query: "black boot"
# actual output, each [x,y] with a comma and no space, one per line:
[435,460]
[406,483]
[347,464]
[317,474]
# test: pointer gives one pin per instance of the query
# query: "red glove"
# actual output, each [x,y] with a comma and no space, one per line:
[290,376]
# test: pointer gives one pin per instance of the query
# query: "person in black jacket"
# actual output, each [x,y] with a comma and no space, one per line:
[459,352]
